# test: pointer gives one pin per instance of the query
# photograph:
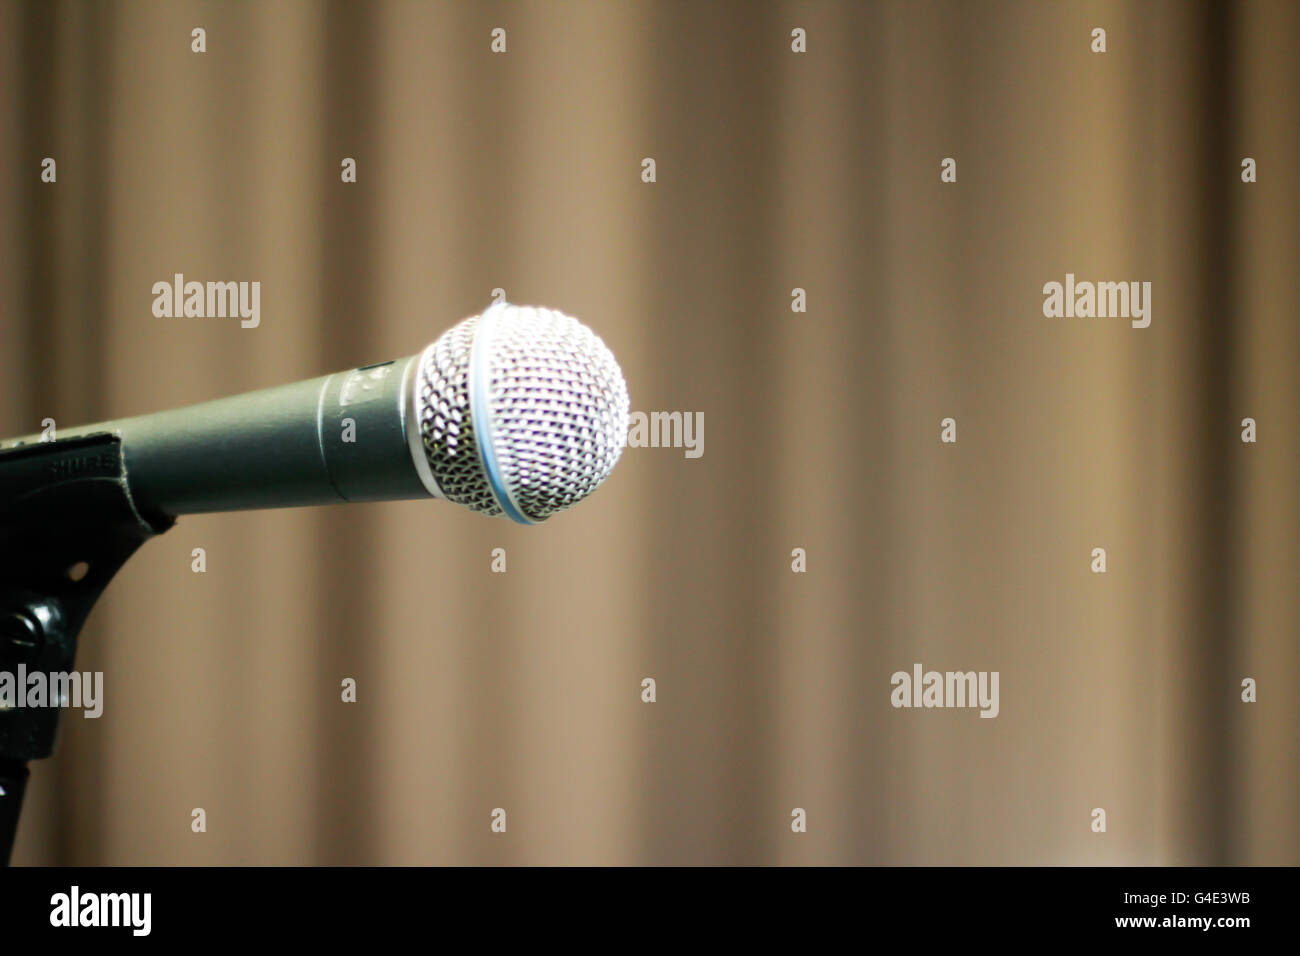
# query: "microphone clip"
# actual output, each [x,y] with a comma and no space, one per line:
[67,524]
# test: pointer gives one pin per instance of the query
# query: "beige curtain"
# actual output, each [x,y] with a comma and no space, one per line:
[775,170]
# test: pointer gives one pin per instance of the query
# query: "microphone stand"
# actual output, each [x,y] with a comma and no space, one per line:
[67,524]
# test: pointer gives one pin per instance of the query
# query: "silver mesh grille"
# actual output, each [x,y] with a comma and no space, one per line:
[559,409]
[442,393]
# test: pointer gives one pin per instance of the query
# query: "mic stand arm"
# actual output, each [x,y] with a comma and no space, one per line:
[67,524]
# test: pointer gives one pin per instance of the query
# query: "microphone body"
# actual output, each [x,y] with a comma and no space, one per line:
[341,437]
[519,412]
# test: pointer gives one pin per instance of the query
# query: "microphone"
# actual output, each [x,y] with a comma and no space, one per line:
[519,411]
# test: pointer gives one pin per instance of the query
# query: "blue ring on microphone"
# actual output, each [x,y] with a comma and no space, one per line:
[480,373]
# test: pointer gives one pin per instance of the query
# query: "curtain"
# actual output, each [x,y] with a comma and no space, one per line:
[774,171]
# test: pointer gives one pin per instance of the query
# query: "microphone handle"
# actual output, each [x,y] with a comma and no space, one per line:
[342,437]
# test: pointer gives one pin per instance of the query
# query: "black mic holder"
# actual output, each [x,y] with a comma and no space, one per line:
[67,524]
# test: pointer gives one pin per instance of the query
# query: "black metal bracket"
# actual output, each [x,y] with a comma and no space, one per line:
[67,524]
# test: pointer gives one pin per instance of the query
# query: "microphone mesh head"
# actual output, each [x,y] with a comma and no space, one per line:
[557,403]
